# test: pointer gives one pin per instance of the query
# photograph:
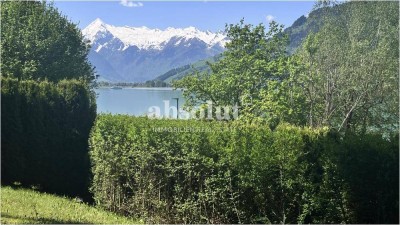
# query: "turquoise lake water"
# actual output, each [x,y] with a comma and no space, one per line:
[138,101]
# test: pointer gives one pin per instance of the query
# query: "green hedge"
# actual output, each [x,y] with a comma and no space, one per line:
[44,133]
[170,171]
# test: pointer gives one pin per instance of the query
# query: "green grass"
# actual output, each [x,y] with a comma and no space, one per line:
[28,206]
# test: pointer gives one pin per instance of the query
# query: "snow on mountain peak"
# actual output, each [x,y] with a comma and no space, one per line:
[98,21]
[146,38]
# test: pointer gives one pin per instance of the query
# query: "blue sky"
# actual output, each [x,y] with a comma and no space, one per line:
[205,15]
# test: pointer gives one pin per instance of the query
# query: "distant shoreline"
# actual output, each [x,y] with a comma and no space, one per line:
[144,88]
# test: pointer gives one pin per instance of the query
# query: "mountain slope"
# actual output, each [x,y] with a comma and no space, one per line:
[139,54]
[180,72]
[303,26]
[104,67]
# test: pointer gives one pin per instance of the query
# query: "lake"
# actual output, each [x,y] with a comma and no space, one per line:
[137,101]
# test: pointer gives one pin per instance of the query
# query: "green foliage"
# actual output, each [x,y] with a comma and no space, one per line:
[350,68]
[370,167]
[45,125]
[283,100]
[45,128]
[171,171]
[39,43]
[344,75]
[24,206]
[252,58]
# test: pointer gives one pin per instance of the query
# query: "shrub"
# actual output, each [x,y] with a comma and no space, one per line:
[230,173]
[45,128]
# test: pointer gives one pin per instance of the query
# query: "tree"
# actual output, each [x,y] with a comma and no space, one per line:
[37,42]
[350,76]
[252,58]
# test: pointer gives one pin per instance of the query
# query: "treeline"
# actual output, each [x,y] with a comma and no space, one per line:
[44,131]
[149,83]
[213,172]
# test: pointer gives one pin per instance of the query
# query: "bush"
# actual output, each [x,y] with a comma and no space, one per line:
[45,128]
[168,172]
[370,168]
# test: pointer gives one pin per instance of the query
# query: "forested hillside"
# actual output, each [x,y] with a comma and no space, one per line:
[180,72]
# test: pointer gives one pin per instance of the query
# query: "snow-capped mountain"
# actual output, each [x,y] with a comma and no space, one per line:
[137,54]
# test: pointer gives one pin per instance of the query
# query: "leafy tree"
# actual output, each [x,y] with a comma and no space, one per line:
[253,57]
[350,76]
[283,100]
[37,42]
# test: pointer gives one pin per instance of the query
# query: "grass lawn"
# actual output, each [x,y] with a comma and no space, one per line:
[28,206]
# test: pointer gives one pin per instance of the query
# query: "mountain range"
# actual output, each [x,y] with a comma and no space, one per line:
[137,54]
